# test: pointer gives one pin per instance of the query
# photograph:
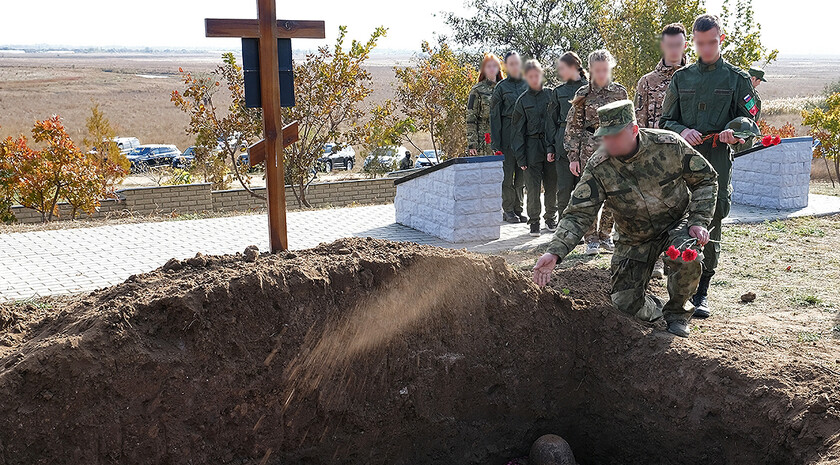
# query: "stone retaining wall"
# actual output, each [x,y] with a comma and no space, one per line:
[776,177]
[197,198]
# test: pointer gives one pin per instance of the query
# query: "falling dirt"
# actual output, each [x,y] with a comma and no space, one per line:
[367,351]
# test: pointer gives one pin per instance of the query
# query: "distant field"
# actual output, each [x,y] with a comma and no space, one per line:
[134,90]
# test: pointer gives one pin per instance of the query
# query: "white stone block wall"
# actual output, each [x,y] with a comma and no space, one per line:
[776,177]
[460,202]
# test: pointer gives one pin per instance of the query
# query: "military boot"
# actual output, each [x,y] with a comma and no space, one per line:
[551,225]
[701,300]
[535,230]
[679,328]
[510,217]
[522,218]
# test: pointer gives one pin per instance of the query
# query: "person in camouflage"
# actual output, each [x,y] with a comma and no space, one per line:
[501,110]
[701,100]
[478,106]
[529,148]
[663,194]
[570,69]
[581,143]
[650,92]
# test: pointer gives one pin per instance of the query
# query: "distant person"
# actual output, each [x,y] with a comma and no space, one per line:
[663,194]
[701,101]
[581,142]
[571,72]
[756,78]
[501,110]
[478,106]
[529,148]
[405,163]
[652,87]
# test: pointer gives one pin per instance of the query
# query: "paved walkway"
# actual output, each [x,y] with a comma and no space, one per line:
[69,261]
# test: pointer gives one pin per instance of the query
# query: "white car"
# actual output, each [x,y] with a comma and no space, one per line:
[388,157]
[427,158]
[127,144]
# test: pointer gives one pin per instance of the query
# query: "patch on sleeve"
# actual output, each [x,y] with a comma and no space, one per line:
[749,104]
[585,192]
[471,102]
[697,163]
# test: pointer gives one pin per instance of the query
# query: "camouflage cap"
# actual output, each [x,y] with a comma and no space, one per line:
[746,129]
[757,73]
[615,116]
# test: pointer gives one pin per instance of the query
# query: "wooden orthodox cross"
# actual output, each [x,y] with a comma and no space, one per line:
[268,29]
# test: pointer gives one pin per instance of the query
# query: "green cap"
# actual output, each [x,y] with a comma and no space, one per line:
[746,129]
[615,116]
[758,73]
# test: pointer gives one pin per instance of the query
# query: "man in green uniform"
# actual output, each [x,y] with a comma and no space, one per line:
[501,113]
[663,194]
[756,78]
[701,100]
[529,148]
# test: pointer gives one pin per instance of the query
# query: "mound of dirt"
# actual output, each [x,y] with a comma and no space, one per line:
[368,351]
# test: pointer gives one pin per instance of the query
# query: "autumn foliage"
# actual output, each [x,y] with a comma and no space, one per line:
[56,172]
[825,128]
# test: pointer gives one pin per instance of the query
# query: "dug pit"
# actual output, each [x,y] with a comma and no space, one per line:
[374,352]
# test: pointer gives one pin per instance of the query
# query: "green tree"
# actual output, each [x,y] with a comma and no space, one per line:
[743,47]
[432,95]
[331,86]
[539,29]
[220,132]
[631,30]
[112,165]
[10,159]
[825,127]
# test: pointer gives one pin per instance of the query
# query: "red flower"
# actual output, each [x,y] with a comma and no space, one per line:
[673,253]
[487,138]
[689,255]
[498,152]
[767,140]
[777,140]
[180,70]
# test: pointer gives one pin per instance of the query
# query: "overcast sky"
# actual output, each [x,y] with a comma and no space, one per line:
[794,27]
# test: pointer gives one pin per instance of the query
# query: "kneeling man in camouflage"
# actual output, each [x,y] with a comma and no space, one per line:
[662,193]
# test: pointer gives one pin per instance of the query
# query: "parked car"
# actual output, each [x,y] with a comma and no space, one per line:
[336,157]
[127,144]
[388,158]
[427,158]
[184,160]
[152,155]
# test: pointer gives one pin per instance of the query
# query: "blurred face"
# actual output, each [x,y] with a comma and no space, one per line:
[491,70]
[623,143]
[755,81]
[513,66]
[708,45]
[673,48]
[534,78]
[566,72]
[601,73]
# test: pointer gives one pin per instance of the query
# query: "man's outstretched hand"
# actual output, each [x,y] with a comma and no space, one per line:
[700,233]
[543,269]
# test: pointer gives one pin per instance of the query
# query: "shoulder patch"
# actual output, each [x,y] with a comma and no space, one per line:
[697,163]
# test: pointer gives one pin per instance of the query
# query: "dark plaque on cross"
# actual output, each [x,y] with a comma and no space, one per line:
[269,38]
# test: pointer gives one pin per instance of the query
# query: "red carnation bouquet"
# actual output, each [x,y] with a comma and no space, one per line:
[769,140]
[688,255]
[486,137]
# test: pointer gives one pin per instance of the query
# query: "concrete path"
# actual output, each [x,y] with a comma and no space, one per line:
[69,261]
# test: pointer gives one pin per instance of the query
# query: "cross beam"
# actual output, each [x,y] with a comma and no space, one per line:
[267,28]
[250,28]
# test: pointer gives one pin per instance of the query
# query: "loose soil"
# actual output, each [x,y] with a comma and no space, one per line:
[368,351]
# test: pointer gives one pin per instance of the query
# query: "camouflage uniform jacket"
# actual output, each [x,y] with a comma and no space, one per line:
[664,182]
[582,120]
[478,116]
[559,104]
[501,111]
[650,94]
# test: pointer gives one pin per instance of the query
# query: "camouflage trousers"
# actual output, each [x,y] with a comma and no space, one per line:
[631,276]
[720,158]
[513,184]
[600,229]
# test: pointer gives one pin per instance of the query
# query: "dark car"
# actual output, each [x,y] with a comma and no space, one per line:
[147,156]
[185,160]
[336,157]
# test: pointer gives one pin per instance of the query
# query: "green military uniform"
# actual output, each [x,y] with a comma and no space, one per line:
[706,97]
[501,113]
[529,148]
[559,104]
[657,193]
[757,73]
[478,117]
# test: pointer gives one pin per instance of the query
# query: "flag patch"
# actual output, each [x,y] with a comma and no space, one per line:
[754,110]
[750,105]
[748,98]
